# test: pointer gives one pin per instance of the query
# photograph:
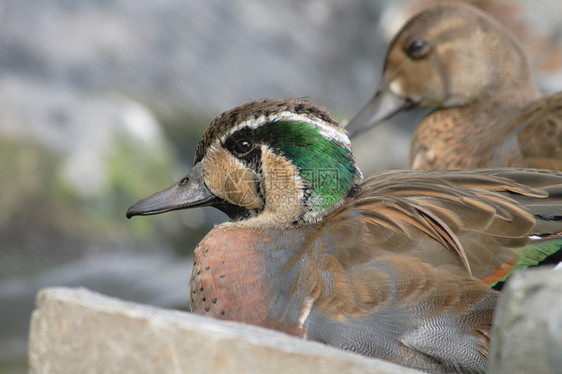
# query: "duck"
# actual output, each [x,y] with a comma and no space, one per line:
[486,110]
[541,47]
[400,266]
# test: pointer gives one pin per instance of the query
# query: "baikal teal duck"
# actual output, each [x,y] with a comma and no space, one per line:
[399,267]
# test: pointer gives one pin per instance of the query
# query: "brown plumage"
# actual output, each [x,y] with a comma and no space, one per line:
[399,267]
[488,112]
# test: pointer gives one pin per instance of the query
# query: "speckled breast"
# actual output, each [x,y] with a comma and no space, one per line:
[236,277]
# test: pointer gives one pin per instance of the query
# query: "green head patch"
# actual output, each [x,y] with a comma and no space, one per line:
[326,166]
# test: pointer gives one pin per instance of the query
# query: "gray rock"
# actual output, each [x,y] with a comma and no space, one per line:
[85,128]
[72,161]
[527,332]
[159,279]
[201,58]
[208,56]
[78,331]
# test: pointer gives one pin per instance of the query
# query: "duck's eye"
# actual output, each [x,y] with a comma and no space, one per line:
[241,147]
[417,49]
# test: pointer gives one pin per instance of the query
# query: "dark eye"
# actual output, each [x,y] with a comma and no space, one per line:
[417,49]
[242,147]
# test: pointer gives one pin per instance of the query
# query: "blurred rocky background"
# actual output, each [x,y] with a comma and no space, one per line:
[102,103]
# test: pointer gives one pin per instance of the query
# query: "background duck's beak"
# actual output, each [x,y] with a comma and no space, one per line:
[189,192]
[382,106]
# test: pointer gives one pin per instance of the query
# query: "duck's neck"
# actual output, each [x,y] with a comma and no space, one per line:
[513,85]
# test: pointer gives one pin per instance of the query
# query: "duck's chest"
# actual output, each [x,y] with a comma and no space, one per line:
[460,139]
[243,275]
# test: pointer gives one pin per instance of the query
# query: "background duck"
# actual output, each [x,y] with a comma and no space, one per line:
[488,112]
[528,23]
[398,267]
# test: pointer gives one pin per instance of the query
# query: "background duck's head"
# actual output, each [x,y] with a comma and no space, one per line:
[273,162]
[447,55]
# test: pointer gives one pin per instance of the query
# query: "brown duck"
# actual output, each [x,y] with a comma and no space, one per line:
[397,267]
[488,112]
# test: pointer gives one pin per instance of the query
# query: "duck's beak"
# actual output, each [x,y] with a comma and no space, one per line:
[382,106]
[189,192]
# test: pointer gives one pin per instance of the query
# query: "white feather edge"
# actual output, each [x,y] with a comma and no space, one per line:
[327,130]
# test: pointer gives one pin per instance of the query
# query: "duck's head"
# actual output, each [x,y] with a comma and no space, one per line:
[271,162]
[445,56]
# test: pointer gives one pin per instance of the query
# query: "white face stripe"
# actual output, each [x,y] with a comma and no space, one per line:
[396,87]
[327,130]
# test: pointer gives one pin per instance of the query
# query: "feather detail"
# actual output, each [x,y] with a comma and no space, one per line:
[537,252]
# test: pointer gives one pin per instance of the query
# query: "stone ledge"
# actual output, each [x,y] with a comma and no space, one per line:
[527,332]
[79,331]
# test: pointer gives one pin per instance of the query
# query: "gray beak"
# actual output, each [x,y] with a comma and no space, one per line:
[189,192]
[382,106]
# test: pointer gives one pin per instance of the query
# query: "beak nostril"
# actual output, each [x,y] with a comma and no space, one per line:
[183,181]
[409,103]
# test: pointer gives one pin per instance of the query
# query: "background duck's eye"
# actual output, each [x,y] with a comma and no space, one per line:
[417,49]
[243,146]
